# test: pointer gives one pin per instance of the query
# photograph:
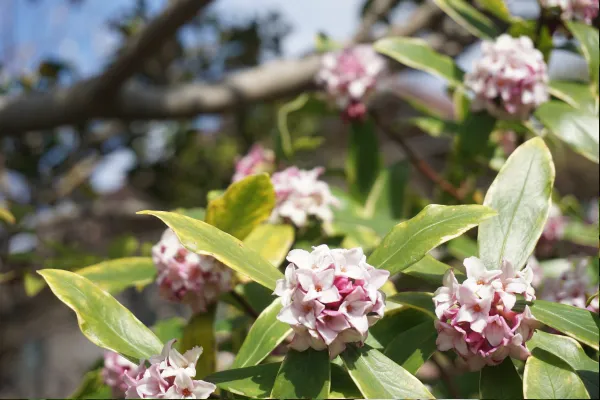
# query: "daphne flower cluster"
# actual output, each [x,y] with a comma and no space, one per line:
[510,79]
[555,225]
[330,298]
[571,287]
[115,367]
[300,194]
[187,277]
[478,318]
[169,376]
[581,10]
[349,76]
[257,160]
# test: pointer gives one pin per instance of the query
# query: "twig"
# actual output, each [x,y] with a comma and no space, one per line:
[420,164]
[245,305]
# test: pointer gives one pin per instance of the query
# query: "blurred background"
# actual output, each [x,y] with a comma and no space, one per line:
[74,189]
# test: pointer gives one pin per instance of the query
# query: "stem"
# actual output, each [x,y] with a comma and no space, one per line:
[245,305]
[420,164]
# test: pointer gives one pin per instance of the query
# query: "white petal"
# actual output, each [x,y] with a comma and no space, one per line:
[301,258]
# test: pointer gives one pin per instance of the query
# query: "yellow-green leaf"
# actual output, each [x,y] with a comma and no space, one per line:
[469,18]
[202,238]
[200,331]
[116,275]
[273,242]
[102,319]
[243,206]
[7,216]
[548,377]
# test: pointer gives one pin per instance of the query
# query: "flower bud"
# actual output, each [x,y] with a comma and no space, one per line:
[258,160]
[115,366]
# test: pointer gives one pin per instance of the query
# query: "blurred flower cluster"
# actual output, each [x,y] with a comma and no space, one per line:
[479,318]
[580,10]
[571,287]
[115,367]
[257,160]
[330,298]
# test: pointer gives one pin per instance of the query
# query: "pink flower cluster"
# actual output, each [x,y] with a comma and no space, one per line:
[555,224]
[477,318]
[330,298]
[115,367]
[169,376]
[581,10]
[510,79]
[187,277]
[300,194]
[571,287]
[349,76]
[257,160]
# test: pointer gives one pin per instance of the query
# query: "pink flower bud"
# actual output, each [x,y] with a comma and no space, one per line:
[330,298]
[115,366]
[510,79]
[188,277]
[258,160]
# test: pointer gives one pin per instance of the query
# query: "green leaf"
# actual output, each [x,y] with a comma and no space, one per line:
[409,241]
[413,347]
[272,242]
[497,8]
[285,137]
[342,385]
[303,375]
[32,284]
[265,334]
[501,382]
[474,136]
[378,377]
[202,238]
[386,198]
[591,298]
[431,270]
[257,296]
[421,301]
[433,126]
[324,43]
[548,377]
[196,213]
[243,206]
[469,18]
[102,319]
[521,195]
[7,216]
[254,382]
[576,94]
[92,387]
[578,323]
[200,331]
[588,40]
[580,233]
[463,247]
[168,329]
[577,128]
[418,54]
[395,322]
[363,161]
[570,351]
[114,276]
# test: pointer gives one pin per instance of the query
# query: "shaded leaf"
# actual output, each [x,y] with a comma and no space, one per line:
[421,301]
[303,375]
[342,385]
[497,8]
[200,331]
[588,40]
[431,270]
[413,347]
[576,94]
[254,382]
[501,382]
[168,329]
[363,161]
[386,198]
[469,18]
[92,387]
[395,322]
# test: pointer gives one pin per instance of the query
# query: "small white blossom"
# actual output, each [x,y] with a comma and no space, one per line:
[300,195]
[510,79]
[330,297]
[580,10]
[187,277]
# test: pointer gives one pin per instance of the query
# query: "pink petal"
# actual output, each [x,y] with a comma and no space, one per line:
[301,258]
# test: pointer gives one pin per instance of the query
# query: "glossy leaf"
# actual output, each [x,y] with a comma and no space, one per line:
[200,331]
[196,213]
[202,238]
[254,382]
[548,377]
[342,385]
[421,301]
[501,382]
[363,161]
[413,347]
[265,334]
[570,351]
[378,377]
[469,18]
[418,54]
[577,128]
[521,195]
[272,242]
[431,270]
[102,319]
[588,40]
[578,95]
[243,206]
[578,323]
[411,240]
[394,323]
[116,275]
[303,375]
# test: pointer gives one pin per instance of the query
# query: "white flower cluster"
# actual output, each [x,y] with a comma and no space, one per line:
[169,376]
[300,194]
[477,318]
[187,277]
[580,10]
[510,80]
[349,76]
[330,298]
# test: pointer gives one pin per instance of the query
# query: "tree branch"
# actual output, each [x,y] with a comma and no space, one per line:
[376,11]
